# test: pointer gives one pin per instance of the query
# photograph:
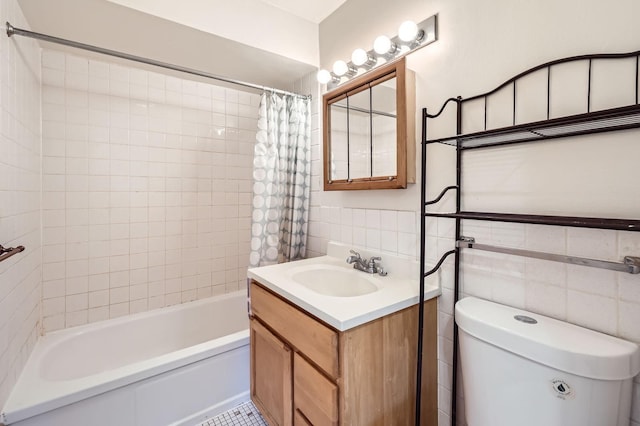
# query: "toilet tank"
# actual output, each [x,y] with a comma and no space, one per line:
[525,369]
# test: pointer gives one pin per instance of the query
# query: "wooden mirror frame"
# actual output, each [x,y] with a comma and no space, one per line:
[405,128]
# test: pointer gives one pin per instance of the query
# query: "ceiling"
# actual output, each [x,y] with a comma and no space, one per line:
[311,10]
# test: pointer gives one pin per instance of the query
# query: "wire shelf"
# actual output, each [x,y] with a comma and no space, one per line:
[573,221]
[609,120]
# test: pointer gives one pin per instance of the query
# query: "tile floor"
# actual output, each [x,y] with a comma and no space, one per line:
[243,415]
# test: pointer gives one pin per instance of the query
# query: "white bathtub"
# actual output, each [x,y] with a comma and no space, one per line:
[171,366]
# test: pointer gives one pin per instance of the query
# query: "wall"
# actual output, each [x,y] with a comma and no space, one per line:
[165,40]
[146,189]
[263,28]
[473,55]
[358,23]
[20,276]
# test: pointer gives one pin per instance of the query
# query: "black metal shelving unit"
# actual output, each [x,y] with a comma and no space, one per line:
[614,119]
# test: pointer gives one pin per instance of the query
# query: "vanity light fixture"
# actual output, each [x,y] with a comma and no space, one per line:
[324,77]
[361,58]
[383,46]
[410,33]
[411,36]
[341,68]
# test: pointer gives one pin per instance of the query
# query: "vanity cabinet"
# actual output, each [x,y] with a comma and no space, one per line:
[304,372]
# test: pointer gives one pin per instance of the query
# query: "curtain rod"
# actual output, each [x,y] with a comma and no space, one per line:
[11,30]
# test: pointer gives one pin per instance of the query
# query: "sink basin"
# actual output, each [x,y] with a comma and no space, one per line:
[334,281]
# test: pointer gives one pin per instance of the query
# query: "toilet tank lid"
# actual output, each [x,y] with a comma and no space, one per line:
[554,343]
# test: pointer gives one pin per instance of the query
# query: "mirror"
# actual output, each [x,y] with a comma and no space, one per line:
[369,131]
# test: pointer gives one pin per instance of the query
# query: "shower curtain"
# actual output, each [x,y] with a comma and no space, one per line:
[281,180]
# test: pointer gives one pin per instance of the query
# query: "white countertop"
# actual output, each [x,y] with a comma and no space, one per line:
[396,291]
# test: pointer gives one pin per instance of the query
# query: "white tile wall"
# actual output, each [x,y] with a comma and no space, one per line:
[20,275]
[146,189]
[374,229]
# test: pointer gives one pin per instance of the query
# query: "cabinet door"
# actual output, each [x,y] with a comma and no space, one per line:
[271,379]
[315,396]
[299,420]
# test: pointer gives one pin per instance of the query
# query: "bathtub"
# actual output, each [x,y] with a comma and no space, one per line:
[172,366]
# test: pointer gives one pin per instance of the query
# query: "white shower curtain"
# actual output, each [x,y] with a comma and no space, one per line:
[281,180]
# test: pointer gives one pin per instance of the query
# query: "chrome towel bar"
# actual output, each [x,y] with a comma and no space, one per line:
[630,264]
[6,253]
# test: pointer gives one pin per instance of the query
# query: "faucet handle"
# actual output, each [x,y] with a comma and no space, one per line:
[377,268]
[354,258]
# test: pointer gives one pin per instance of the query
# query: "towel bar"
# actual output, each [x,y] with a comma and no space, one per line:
[630,264]
[6,253]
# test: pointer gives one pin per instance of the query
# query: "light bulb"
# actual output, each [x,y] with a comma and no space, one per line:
[408,31]
[340,68]
[359,57]
[323,76]
[383,45]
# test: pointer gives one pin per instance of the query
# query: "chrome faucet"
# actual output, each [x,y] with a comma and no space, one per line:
[369,266]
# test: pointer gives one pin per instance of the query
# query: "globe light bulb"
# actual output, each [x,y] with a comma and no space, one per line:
[382,45]
[359,57]
[408,31]
[340,68]
[323,76]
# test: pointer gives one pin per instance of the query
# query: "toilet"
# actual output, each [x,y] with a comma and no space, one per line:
[525,369]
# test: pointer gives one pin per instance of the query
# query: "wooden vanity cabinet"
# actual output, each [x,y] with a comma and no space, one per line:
[304,372]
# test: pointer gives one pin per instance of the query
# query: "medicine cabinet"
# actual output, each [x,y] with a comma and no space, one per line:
[369,131]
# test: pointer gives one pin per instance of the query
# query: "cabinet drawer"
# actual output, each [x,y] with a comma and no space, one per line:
[314,396]
[314,339]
